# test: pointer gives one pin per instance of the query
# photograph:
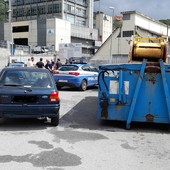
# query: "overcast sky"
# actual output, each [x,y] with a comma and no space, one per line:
[156,9]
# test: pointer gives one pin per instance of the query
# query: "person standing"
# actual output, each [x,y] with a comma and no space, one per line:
[40,63]
[58,63]
[32,62]
[48,65]
[52,64]
[29,63]
[67,62]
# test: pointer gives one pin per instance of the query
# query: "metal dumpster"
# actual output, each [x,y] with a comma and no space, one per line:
[137,92]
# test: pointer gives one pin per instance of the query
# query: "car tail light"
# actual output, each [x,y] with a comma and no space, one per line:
[54,97]
[74,73]
[55,72]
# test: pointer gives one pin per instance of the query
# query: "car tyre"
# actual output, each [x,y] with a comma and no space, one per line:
[55,120]
[59,87]
[83,85]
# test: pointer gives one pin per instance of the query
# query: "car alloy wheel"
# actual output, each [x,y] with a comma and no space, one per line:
[83,86]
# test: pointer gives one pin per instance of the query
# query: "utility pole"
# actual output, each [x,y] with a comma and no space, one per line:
[111,57]
[10,29]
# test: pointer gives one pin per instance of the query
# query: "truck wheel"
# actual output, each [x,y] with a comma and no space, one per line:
[83,85]
[55,120]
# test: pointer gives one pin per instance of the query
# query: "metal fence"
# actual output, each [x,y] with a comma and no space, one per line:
[3,44]
[115,60]
[24,58]
[7,45]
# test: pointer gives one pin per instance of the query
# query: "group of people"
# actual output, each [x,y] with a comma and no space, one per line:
[50,65]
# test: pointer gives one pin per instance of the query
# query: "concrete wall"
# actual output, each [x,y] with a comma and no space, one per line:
[151,25]
[31,35]
[20,56]
[50,32]
[104,24]
[62,32]
[84,32]
[4,56]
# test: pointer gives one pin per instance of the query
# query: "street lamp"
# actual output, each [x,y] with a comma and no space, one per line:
[10,28]
[112,8]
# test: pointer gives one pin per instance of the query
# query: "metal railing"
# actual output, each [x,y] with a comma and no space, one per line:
[3,44]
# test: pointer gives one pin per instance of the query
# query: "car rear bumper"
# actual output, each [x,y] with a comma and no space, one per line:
[69,84]
[71,81]
[31,111]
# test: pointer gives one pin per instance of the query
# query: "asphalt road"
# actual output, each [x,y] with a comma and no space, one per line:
[81,142]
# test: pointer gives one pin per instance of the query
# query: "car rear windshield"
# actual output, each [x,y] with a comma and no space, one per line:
[26,78]
[68,68]
[16,65]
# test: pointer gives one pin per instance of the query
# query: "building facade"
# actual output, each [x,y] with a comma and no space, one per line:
[104,23]
[51,32]
[116,47]
[39,22]
[78,12]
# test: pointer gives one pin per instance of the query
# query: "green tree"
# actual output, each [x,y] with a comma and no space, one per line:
[167,21]
[117,24]
[3,10]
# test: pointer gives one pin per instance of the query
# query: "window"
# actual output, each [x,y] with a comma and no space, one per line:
[40,10]
[126,16]
[18,2]
[20,12]
[33,79]
[80,21]
[127,33]
[70,18]
[69,8]
[86,68]
[27,11]
[15,13]
[50,8]
[56,8]
[68,68]
[34,10]
[83,2]
[93,69]
[27,1]
[80,12]
[21,29]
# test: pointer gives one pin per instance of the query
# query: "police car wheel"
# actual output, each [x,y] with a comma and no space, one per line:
[83,85]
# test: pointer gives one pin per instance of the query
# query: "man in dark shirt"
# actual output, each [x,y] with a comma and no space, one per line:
[58,63]
[40,63]
[48,65]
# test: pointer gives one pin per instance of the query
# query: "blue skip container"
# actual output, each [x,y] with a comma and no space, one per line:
[138,92]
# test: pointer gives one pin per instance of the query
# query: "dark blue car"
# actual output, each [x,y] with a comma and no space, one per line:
[28,93]
[76,75]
